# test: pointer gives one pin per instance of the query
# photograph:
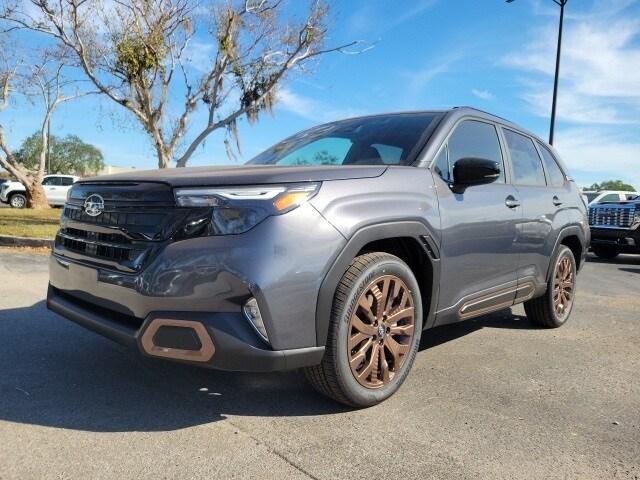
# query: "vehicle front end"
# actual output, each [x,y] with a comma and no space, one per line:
[615,226]
[225,277]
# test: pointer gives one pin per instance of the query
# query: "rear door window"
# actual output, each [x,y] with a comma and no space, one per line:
[66,181]
[526,164]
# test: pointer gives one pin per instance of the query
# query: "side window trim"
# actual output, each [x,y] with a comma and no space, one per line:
[533,140]
[503,150]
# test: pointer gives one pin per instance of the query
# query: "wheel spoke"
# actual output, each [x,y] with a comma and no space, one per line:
[385,295]
[384,367]
[361,354]
[396,349]
[366,371]
[366,328]
[399,315]
[401,329]
[364,305]
[357,339]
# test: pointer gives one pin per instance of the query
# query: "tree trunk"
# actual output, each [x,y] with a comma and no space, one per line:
[36,198]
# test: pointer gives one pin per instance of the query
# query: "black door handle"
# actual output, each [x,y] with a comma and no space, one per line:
[511,202]
[556,201]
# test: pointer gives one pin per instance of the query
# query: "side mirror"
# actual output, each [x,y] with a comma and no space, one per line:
[468,172]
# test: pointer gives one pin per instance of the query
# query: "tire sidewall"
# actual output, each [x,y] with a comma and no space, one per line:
[563,251]
[358,394]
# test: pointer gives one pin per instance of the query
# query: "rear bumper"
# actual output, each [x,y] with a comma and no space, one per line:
[235,344]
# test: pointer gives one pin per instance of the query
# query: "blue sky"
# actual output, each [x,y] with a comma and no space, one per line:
[432,54]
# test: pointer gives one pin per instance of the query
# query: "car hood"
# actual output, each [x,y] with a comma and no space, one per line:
[242,175]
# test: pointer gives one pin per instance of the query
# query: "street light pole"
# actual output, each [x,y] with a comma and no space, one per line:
[562,4]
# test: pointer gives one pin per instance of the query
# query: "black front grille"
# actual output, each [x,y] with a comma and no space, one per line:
[116,218]
[93,249]
[96,236]
[138,219]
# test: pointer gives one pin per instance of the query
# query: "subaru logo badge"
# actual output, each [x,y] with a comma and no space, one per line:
[94,205]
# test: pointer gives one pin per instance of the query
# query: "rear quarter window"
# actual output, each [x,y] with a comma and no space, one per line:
[556,177]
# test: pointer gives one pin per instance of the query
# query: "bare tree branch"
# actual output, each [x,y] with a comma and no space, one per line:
[130,51]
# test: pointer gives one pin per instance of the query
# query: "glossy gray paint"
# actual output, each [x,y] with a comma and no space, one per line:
[291,263]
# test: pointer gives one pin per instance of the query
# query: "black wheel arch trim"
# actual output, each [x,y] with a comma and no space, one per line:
[367,234]
[569,231]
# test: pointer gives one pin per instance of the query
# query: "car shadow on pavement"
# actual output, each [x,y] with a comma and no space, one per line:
[57,374]
[446,333]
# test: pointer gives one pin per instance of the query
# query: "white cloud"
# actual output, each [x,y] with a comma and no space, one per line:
[599,92]
[310,108]
[599,78]
[483,94]
[600,153]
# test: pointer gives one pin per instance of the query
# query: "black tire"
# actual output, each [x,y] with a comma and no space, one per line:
[334,377]
[606,252]
[18,200]
[542,310]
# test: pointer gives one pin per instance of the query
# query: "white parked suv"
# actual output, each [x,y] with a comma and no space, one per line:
[594,197]
[55,188]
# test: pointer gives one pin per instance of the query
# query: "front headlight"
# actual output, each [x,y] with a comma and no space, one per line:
[233,210]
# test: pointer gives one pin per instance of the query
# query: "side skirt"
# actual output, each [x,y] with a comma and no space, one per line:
[487,301]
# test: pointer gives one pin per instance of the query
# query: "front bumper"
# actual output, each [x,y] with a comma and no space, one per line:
[627,240]
[236,345]
[281,262]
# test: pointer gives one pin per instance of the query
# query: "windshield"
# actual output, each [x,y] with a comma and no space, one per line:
[591,196]
[380,140]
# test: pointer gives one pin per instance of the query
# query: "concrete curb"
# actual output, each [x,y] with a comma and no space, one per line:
[11,241]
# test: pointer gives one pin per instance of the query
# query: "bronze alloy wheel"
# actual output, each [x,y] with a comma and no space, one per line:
[563,287]
[381,331]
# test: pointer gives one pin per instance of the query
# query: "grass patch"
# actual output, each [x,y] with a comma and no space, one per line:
[30,223]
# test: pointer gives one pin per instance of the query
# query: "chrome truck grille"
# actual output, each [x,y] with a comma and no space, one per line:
[611,216]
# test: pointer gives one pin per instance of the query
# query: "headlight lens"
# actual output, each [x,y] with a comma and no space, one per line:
[235,210]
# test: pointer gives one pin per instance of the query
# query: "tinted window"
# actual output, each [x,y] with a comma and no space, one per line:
[66,181]
[527,167]
[51,181]
[475,139]
[441,165]
[390,155]
[551,166]
[591,196]
[377,140]
[610,197]
[326,151]
[630,196]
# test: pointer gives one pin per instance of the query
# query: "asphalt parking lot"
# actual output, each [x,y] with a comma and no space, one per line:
[493,397]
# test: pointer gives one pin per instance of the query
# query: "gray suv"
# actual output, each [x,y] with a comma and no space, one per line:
[333,251]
